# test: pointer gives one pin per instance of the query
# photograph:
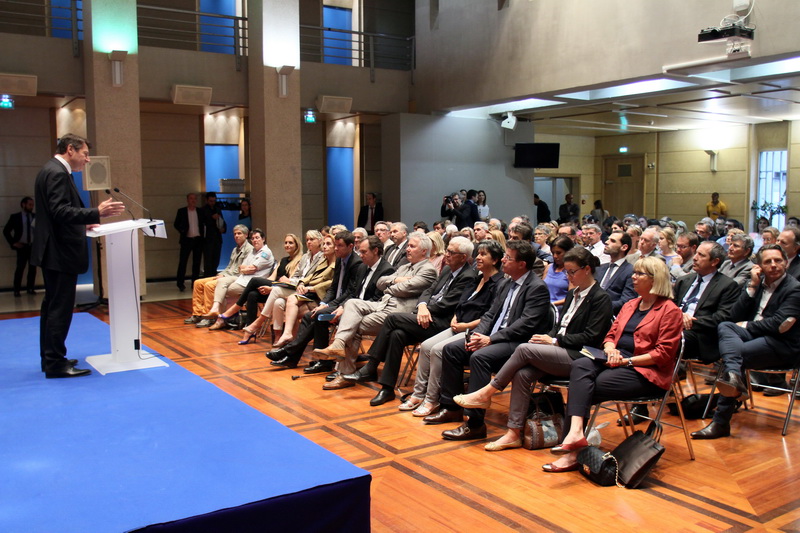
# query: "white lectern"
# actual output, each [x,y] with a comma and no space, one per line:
[122,261]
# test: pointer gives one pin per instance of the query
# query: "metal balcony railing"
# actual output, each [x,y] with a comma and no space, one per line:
[355,48]
[191,30]
[51,18]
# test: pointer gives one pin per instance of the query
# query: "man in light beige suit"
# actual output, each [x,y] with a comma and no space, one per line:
[400,293]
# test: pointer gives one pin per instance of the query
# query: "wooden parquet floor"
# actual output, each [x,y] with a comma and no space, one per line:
[750,481]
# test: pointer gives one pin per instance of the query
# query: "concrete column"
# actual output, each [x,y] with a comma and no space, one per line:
[112,113]
[274,122]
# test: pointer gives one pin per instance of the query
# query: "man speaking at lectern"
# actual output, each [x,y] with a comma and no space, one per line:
[59,249]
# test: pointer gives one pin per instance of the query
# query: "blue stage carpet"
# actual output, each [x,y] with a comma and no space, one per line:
[127,450]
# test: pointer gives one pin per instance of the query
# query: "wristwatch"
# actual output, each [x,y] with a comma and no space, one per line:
[630,363]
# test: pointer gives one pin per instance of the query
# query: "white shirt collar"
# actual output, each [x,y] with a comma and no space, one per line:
[64,162]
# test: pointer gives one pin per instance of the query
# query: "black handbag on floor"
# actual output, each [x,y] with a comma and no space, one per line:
[545,423]
[638,454]
[628,464]
[599,466]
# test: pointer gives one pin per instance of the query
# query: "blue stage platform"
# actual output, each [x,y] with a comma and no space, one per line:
[158,449]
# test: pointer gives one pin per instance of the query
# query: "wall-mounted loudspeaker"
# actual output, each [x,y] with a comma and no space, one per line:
[18,84]
[191,95]
[334,104]
[97,174]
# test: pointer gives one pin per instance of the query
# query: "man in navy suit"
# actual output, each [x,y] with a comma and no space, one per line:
[615,277]
[520,309]
[19,234]
[59,248]
[757,335]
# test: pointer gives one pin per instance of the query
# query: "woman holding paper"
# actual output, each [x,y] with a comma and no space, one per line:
[585,321]
[641,349]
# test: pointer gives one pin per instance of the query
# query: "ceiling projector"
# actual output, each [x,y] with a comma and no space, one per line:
[510,122]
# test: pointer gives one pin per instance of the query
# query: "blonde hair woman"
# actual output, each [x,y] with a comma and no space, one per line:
[437,251]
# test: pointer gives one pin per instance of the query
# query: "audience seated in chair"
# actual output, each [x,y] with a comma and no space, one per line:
[641,349]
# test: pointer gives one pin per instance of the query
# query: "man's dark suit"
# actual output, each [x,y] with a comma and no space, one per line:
[759,344]
[399,259]
[59,248]
[529,314]
[794,268]
[363,216]
[620,288]
[402,329]
[542,212]
[466,215]
[13,234]
[355,275]
[193,245]
[714,307]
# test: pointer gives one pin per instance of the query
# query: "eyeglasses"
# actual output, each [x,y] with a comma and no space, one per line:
[639,274]
[450,252]
[572,272]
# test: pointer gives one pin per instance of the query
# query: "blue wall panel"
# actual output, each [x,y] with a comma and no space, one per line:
[222,39]
[336,45]
[340,186]
[222,162]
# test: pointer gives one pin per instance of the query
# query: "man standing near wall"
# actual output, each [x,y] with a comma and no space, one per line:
[59,248]
[191,227]
[215,227]
[542,210]
[370,214]
[568,211]
[716,208]
[19,234]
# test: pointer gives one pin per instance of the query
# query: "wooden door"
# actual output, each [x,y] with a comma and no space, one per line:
[623,185]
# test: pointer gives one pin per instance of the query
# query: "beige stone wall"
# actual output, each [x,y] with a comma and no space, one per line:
[172,167]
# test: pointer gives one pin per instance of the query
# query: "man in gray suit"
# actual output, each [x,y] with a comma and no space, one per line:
[400,293]
[738,264]
[395,253]
[681,265]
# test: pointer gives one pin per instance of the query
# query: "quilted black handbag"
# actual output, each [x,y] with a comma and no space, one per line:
[599,466]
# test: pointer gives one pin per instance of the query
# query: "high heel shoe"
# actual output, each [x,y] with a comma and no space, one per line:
[220,323]
[566,448]
[250,337]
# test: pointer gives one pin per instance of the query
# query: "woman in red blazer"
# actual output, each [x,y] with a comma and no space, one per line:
[641,349]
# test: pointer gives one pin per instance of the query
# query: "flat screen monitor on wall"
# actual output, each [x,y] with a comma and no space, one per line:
[536,155]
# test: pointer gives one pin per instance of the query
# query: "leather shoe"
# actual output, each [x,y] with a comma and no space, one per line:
[732,386]
[566,448]
[318,367]
[367,372]
[68,372]
[638,413]
[383,396]
[194,319]
[464,432]
[338,383]
[70,362]
[463,401]
[714,430]
[276,355]
[444,416]
[553,469]
[204,323]
[286,362]
[333,375]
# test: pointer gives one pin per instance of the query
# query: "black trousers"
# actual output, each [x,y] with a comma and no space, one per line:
[482,364]
[193,246]
[56,318]
[23,260]
[591,382]
[310,329]
[398,331]
[252,297]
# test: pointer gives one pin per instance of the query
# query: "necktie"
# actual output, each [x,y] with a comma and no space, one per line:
[342,268]
[28,229]
[439,295]
[365,283]
[692,298]
[503,318]
[608,276]
[371,221]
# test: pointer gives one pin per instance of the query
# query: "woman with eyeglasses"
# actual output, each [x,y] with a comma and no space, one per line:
[640,348]
[585,321]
